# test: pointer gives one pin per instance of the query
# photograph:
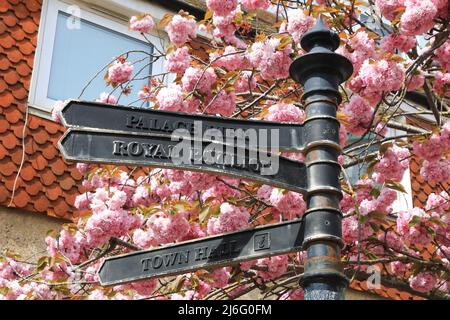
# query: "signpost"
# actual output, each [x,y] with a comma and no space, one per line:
[207,252]
[96,115]
[116,134]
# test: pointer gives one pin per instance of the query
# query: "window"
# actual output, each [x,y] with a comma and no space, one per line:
[71,52]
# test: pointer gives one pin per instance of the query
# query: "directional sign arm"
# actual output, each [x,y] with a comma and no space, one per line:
[97,115]
[158,151]
[210,252]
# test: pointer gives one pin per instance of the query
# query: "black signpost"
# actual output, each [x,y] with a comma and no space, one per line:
[203,253]
[122,135]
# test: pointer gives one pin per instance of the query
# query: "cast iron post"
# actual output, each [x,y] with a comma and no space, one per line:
[320,71]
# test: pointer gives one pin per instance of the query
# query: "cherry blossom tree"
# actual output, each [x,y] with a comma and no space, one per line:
[396,47]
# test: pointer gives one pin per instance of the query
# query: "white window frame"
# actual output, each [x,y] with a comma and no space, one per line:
[116,21]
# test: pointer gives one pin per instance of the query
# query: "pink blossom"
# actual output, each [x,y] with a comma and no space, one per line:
[245,82]
[221,7]
[392,164]
[360,114]
[83,168]
[377,77]
[415,81]
[442,83]
[56,111]
[442,55]
[255,4]
[143,239]
[181,30]
[418,17]
[350,229]
[389,8]
[362,48]
[397,41]
[107,98]
[231,59]
[145,287]
[170,98]
[168,229]
[391,240]
[430,149]
[264,192]
[347,203]
[439,203]
[145,94]
[416,234]
[288,202]
[400,268]
[220,277]
[283,112]
[178,60]
[144,24]
[272,63]
[276,267]
[119,72]
[297,294]
[438,171]
[298,23]
[199,79]
[82,201]
[222,103]
[224,27]
[231,218]
[423,281]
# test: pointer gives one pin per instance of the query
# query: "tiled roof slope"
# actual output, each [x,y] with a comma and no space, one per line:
[46,183]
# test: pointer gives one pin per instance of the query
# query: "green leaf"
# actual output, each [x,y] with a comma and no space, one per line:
[375,227]
[395,186]
[204,214]
[42,263]
[437,221]
[414,221]
[375,192]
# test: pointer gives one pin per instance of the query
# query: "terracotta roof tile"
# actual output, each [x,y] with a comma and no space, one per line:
[29,26]
[6,41]
[21,11]
[3,26]
[33,187]
[53,192]
[27,173]
[9,19]
[23,69]
[33,5]
[9,140]
[17,33]
[7,168]
[47,177]
[30,145]
[53,128]
[12,114]
[4,6]
[20,93]
[11,77]
[3,151]
[58,167]
[4,125]
[4,63]
[14,2]
[66,183]
[16,155]
[40,136]
[21,198]
[38,161]
[25,47]
[41,203]
[6,99]
[14,55]
[3,85]
[49,151]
